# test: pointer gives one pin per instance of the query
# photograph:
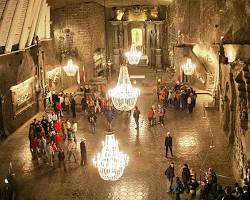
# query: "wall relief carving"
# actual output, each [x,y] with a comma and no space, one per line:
[23,96]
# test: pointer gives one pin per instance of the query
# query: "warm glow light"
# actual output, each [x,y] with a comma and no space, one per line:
[133,55]
[70,69]
[188,68]
[124,95]
[110,161]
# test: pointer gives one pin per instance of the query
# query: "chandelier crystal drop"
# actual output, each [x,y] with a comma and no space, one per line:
[188,68]
[133,55]
[110,162]
[124,95]
[70,69]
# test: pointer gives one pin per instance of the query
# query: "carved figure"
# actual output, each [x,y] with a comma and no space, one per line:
[121,39]
[152,38]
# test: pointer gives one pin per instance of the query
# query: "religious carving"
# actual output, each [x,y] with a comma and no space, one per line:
[136,36]
[119,14]
[137,14]
[152,38]
[23,95]
[54,74]
[121,42]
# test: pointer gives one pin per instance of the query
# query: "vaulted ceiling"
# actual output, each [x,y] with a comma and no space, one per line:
[109,3]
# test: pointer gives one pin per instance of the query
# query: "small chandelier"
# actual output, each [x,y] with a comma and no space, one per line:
[133,55]
[110,162]
[188,68]
[124,95]
[70,69]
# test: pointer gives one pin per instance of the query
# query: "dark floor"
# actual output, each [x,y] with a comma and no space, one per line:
[144,176]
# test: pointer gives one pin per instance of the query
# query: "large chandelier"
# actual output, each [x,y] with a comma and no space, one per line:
[70,69]
[133,55]
[124,95]
[110,162]
[188,68]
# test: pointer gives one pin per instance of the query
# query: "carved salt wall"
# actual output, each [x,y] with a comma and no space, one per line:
[19,104]
[235,99]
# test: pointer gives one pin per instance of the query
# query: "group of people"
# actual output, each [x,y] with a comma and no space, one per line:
[206,189]
[61,102]
[181,97]
[51,136]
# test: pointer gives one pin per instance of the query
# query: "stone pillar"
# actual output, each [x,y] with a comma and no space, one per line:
[125,28]
[158,50]
[116,50]
[147,43]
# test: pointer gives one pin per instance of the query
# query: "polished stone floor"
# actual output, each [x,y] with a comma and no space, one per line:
[144,176]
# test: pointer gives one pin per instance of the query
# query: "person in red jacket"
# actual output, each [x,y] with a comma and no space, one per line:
[150,115]
[57,126]
[58,140]
[59,109]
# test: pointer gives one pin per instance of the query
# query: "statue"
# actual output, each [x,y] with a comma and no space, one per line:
[152,38]
[121,39]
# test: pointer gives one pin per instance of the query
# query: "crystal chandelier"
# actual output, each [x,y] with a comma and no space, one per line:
[188,68]
[124,95]
[70,69]
[110,162]
[133,55]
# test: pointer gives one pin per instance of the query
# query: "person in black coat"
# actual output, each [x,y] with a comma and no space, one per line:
[170,176]
[168,144]
[83,152]
[185,175]
[73,107]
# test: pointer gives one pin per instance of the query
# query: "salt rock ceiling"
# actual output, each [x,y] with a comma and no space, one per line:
[108,3]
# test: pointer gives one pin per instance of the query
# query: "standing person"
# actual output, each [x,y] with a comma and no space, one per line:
[72,150]
[74,129]
[109,116]
[97,105]
[61,158]
[193,187]
[136,116]
[83,152]
[92,120]
[73,107]
[168,144]
[67,102]
[68,128]
[190,103]
[178,188]
[59,109]
[150,115]
[161,112]
[185,175]
[170,176]
[154,116]
[84,104]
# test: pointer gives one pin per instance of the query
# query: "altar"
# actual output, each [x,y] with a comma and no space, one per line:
[141,26]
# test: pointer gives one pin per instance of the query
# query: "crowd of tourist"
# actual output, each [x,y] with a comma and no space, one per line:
[205,189]
[181,97]
[54,135]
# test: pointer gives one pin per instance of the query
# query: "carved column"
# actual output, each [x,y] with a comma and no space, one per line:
[158,50]
[116,51]
[148,50]
[125,28]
